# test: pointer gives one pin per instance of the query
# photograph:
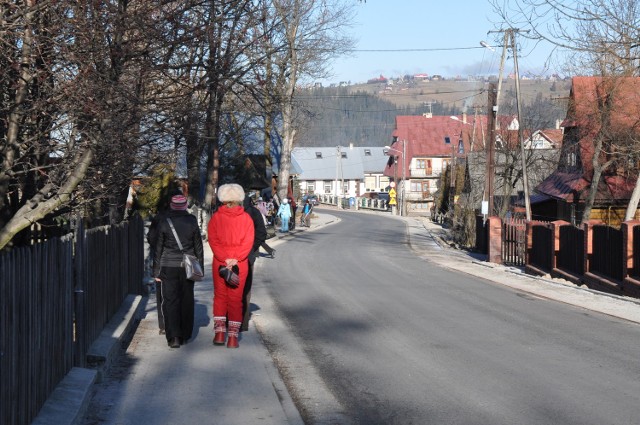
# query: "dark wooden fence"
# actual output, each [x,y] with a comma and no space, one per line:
[541,256]
[571,253]
[607,256]
[635,270]
[52,307]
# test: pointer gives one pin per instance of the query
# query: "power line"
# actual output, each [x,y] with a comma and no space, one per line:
[436,49]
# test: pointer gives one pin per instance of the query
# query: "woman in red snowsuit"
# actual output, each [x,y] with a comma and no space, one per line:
[231,234]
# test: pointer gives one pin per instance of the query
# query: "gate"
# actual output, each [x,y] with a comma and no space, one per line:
[514,241]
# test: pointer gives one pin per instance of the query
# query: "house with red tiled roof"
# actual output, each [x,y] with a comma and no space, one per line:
[603,111]
[423,147]
[544,139]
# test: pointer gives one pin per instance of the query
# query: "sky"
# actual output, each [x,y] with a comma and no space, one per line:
[444,34]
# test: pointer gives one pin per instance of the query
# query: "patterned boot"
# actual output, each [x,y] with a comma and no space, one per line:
[234,328]
[220,329]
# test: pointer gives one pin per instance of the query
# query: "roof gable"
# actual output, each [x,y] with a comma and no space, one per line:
[426,135]
[329,163]
[594,100]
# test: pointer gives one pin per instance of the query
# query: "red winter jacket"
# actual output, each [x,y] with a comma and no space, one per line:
[230,233]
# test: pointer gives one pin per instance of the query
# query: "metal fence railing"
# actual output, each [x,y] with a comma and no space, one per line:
[55,298]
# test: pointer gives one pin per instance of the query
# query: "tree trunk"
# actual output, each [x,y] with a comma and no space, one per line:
[633,202]
[31,213]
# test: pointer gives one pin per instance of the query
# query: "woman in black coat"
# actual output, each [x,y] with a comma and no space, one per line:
[177,291]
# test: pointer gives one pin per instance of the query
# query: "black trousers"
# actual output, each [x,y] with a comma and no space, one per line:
[246,299]
[177,303]
[159,305]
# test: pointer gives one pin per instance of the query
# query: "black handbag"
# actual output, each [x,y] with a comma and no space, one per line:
[191,265]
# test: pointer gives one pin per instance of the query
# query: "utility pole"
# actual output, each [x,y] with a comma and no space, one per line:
[403,210]
[338,156]
[490,148]
[525,178]
[509,40]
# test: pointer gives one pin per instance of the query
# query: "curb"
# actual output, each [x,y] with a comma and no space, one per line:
[68,402]
[115,335]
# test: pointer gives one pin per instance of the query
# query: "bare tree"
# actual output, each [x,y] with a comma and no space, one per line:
[43,73]
[312,32]
[601,38]
[72,90]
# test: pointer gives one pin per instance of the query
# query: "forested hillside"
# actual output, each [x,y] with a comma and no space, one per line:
[365,115]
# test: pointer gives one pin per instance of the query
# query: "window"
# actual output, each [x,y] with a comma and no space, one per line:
[421,164]
[367,152]
[318,155]
[343,154]
[327,186]
[311,187]
[370,183]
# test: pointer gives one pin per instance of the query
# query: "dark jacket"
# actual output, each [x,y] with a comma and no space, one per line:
[166,251]
[258,224]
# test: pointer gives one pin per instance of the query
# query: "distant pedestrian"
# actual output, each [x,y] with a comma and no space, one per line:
[284,212]
[231,234]
[266,209]
[305,216]
[177,306]
[294,210]
[261,205]
[260,236]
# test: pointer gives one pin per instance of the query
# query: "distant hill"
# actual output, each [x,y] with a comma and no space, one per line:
[364,115]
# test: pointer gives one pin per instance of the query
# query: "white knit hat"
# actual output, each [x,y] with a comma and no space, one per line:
[231,193]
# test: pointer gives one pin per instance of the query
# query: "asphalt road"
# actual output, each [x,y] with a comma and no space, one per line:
[368,332]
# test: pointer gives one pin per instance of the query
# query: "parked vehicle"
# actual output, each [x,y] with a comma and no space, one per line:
[313,199]
[378,195]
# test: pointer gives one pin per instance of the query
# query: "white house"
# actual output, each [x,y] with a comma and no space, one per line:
[356,170]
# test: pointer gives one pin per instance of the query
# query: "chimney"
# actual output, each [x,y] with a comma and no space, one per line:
[464,117]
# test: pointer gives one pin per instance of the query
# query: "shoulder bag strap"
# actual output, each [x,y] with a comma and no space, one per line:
[175,234]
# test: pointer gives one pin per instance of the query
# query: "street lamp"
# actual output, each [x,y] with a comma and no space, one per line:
[404,173]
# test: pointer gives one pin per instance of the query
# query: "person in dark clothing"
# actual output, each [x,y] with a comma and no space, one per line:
[152,239]
[177,291]
[259,239]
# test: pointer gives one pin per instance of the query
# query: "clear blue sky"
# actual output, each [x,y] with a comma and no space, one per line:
[452,29]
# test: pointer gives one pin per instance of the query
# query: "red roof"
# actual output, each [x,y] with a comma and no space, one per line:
[585,109]
[583,121]
[425,136]
[553,135]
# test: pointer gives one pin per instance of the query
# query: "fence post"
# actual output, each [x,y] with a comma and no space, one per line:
[588,243]
[494,245]
[556,225]
[627,246]
[528,241]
